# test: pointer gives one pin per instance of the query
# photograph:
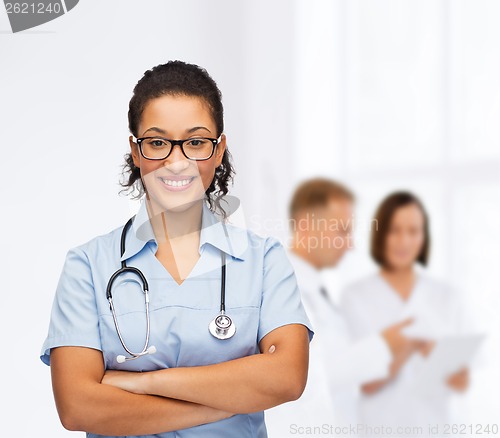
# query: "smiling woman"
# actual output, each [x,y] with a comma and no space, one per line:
[191,167]
[194,382]
[201,95]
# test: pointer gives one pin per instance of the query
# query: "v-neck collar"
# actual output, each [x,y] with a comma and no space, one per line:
[393,292]
[232,240]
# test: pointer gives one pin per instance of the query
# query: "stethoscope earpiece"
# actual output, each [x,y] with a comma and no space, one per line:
[121,358]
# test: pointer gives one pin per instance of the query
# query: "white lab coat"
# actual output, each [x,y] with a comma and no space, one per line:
[337,366]
[370,305]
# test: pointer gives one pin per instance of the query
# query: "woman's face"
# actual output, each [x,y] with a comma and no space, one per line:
[177,118]
[405,238]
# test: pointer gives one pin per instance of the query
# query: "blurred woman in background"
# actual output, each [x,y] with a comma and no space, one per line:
[400,240]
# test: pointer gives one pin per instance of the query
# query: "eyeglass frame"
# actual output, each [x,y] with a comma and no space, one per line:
[215,143]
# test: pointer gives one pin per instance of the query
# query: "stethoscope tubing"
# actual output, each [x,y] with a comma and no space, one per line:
[218,331]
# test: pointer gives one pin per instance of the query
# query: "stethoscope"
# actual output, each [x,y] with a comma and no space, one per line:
[221,327]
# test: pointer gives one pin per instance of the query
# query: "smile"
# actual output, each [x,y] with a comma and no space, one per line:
[177,183]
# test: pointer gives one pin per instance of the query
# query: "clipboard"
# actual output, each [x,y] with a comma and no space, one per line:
[449,355]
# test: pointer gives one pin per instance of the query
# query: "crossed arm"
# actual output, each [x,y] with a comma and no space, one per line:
[89,399]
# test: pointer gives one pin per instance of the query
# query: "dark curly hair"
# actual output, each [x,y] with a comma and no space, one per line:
[178,78]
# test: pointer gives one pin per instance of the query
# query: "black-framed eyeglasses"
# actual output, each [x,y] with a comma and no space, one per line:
[196,148]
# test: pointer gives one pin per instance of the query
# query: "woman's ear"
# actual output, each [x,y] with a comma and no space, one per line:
[219,152]
[134,150]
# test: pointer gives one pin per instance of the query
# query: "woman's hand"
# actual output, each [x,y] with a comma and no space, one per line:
[459,381]
[425,348]
[126,380]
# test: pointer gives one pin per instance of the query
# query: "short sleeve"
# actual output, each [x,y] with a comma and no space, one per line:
[74,317]
[281,303]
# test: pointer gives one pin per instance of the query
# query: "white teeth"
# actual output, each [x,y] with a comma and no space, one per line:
[176,183]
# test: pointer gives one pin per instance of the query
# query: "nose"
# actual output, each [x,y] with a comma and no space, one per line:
[176,161]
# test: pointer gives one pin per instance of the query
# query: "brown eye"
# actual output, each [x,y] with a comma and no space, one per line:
[197,142]
[156,143]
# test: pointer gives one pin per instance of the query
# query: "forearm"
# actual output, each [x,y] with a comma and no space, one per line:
[248,384]
[397,363]
[376,385]
[105,410]
[244,385]
[84,403]
[373,387]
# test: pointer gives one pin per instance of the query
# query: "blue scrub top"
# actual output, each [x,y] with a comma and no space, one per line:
[261,295]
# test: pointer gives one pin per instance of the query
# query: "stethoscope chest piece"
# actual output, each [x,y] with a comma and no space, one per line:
[222,327]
